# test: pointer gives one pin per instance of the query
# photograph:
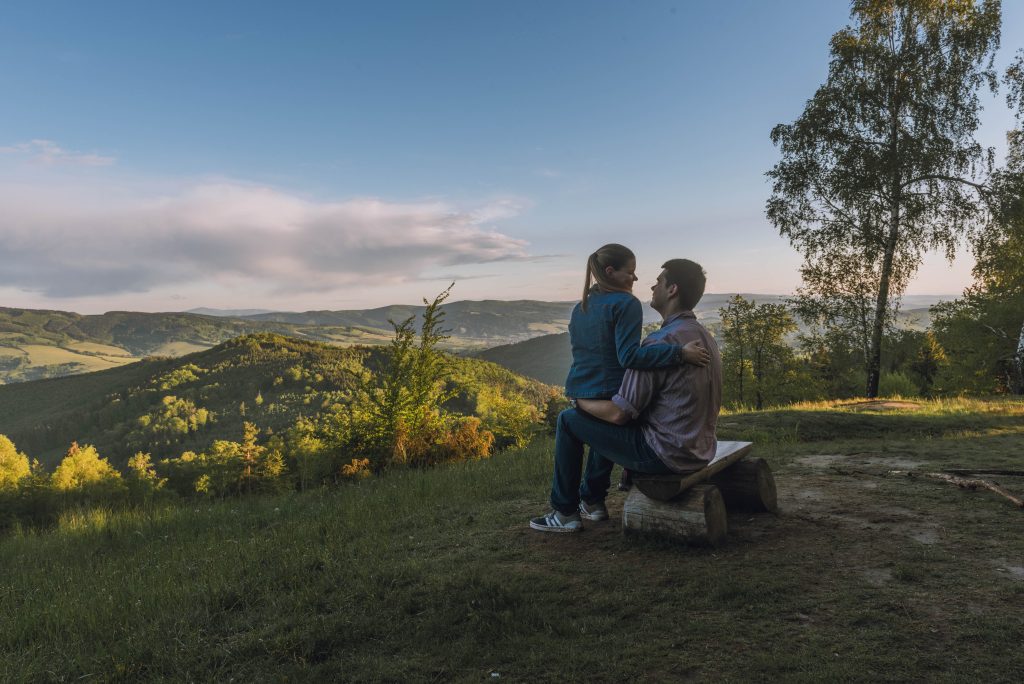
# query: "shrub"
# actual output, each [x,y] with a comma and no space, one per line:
[14,465]
[897,384]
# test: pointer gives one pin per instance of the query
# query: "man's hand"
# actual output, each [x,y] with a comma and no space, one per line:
[696,354]
[604,410]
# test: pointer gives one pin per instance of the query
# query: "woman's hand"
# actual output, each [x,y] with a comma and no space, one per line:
[696,354]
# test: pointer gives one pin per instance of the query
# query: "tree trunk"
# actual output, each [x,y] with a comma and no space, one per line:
[882,304]
[1019,364]
[742,366]
[895,184]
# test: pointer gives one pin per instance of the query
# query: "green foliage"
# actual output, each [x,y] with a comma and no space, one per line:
[882,164]
[227,468]
[897,384]
[836,368]
[307,456]
[14,465]
[758,367]
[142,480]
[508,416]
[401,421]
[169,423]
[917,357]
[984,330]
[82,469]
[179,376]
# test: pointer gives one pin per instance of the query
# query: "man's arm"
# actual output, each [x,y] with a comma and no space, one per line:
[604,409]
[636,392]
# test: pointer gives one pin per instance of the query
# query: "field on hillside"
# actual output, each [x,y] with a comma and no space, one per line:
[178,348]
[434,575]
[88,360]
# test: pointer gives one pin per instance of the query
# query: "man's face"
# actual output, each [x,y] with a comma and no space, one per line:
[660,293]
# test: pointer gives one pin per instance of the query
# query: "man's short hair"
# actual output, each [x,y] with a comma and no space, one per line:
[689,277]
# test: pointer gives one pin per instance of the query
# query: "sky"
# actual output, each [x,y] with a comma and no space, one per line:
[345,155]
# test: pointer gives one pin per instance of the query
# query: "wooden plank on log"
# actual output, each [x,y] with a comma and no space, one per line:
[696,517]
[748,486]
[664,487]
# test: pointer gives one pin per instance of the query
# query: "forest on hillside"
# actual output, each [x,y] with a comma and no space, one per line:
[258,413]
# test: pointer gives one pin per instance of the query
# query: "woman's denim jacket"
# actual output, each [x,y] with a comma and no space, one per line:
[606,341]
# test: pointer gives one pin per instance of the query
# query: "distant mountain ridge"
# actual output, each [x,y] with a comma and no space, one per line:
[37,343]
[228,313]
[477,319]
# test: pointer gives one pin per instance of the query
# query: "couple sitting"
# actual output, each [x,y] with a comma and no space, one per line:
[651,407]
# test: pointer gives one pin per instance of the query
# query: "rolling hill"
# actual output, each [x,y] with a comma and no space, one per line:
[36,344]
[167,405]
[484,321]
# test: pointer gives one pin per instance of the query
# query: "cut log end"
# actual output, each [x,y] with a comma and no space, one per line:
[698,516]
[748,486]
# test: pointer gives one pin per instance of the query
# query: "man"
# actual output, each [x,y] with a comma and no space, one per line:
[660,422]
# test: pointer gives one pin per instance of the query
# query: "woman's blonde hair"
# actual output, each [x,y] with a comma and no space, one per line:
[614,255]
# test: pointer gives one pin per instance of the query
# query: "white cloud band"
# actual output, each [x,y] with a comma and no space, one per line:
[96,238]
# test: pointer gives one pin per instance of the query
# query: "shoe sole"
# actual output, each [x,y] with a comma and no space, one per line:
[563,530]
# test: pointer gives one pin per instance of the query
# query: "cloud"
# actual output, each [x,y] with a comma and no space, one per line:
[103,237]
[48,153]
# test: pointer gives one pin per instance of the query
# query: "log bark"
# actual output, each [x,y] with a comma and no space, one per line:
[748,486]
[696,517]
[664,487]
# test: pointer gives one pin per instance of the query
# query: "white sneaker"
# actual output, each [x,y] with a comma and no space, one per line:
[556,522]
[596,511]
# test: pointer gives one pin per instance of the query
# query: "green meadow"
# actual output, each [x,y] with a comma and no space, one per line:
[433,575]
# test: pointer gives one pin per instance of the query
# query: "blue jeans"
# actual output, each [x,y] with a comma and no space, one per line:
[609,444]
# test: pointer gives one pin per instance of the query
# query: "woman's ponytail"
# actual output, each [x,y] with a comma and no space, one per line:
[591,266]
[614,255]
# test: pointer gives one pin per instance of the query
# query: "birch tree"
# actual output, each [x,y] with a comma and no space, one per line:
[883,165]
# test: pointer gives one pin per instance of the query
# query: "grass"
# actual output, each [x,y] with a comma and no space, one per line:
[100,349]
[44,355]
[179,348]
[434,576]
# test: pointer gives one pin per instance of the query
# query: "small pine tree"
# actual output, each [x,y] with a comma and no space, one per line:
[141,478]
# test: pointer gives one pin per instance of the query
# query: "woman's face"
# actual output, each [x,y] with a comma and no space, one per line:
[623,277]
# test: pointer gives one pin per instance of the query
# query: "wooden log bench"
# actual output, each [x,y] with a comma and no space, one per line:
[691,506]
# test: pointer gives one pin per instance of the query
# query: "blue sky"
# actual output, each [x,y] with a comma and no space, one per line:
[347,155]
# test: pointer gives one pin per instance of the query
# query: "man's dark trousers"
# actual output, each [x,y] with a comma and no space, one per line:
[609,444]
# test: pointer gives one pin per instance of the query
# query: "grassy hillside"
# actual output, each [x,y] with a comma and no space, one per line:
[546,358]
[434,575]
[266,379]
[488,320]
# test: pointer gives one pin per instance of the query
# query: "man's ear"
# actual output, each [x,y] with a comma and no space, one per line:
[672,290]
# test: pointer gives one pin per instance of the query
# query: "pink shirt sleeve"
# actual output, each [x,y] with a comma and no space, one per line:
[637,390]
